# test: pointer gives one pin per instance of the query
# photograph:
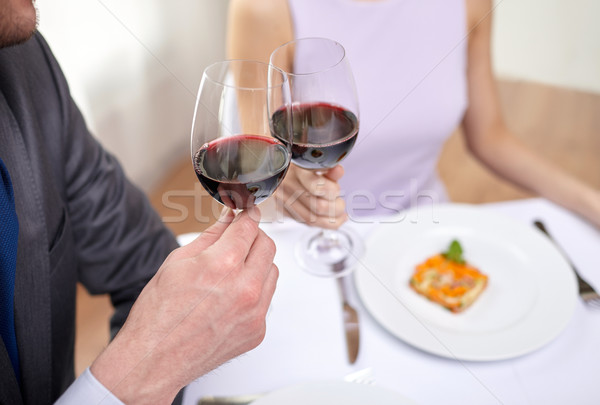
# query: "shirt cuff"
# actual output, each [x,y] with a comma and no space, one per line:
[87,390]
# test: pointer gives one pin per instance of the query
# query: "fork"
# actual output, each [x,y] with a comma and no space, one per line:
[364,376]
[586,291]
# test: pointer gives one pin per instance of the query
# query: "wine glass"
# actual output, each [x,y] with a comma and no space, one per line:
[325,122]
[236,157]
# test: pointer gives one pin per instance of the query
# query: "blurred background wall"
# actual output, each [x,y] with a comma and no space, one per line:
[555,42]
[134,66]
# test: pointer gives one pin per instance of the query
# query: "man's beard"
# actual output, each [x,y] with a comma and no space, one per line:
[15,30]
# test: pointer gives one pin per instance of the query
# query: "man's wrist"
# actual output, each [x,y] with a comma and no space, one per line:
[134,376]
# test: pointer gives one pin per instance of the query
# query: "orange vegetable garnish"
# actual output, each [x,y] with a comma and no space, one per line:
[455,285]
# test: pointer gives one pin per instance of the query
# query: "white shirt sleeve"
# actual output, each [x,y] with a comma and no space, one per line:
[87,390]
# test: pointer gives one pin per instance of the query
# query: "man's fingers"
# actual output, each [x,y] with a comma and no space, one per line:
[269,288]
[212,234]
[262,251]
[237,239]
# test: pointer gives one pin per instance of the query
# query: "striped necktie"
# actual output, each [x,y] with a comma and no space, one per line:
[9,233]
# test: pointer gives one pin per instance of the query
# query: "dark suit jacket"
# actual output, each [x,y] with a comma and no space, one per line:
[80,220]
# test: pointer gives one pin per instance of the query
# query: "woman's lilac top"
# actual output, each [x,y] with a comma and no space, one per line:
[409,62]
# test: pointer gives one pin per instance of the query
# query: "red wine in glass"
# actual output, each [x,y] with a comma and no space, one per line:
[325,119]
[323,133]
[234,153]
[242,170]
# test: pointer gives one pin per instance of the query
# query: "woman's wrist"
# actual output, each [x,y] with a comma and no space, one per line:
[591,207]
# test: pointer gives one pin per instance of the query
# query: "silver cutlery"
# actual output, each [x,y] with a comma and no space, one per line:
[350,323]
[586,291]
[364,376]
[230,400]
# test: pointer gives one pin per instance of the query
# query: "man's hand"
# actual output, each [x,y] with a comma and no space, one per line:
[205,305]
[312,198]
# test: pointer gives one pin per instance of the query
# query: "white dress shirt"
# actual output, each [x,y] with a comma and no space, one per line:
[87,390]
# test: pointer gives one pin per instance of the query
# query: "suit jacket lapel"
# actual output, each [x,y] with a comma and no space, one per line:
[32,283]
[9,388]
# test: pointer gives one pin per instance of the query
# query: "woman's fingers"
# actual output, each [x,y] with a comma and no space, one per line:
[335,173]
[313,198]
[318,185]
[295,208]
[320,207]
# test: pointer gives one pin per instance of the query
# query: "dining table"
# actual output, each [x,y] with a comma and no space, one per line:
[305,338]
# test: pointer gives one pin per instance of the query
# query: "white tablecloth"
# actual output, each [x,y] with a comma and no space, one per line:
[305,339]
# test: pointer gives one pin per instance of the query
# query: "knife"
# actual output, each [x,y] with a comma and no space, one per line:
[350,323]
[229,400]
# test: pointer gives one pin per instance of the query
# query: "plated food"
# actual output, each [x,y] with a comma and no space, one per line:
[447,279]
[521,309]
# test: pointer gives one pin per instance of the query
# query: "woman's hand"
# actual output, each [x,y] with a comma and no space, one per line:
[313,198]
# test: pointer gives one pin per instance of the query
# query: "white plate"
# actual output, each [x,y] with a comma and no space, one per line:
[333,392]
[529,300]
[186,238]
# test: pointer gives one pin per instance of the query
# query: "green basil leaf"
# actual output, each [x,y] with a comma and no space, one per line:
[455,253]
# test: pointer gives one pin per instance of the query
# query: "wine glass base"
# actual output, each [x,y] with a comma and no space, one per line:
[328,253]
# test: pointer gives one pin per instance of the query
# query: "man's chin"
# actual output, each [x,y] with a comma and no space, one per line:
[19,29]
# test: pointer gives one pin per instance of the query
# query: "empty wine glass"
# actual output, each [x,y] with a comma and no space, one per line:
[235,155]
[325,121]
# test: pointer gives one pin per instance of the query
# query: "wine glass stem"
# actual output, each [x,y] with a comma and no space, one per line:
[329,253]
[330,236]
[330,246]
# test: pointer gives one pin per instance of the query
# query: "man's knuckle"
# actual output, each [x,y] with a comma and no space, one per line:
[231,259]
[250,295]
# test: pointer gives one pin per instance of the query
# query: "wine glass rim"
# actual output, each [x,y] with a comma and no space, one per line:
[207,76]
[332,66]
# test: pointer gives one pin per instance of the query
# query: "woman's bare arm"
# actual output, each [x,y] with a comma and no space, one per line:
[492,143]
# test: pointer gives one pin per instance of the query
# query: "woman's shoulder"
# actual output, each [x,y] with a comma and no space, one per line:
[259,10]
[477,10]
[256,27]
